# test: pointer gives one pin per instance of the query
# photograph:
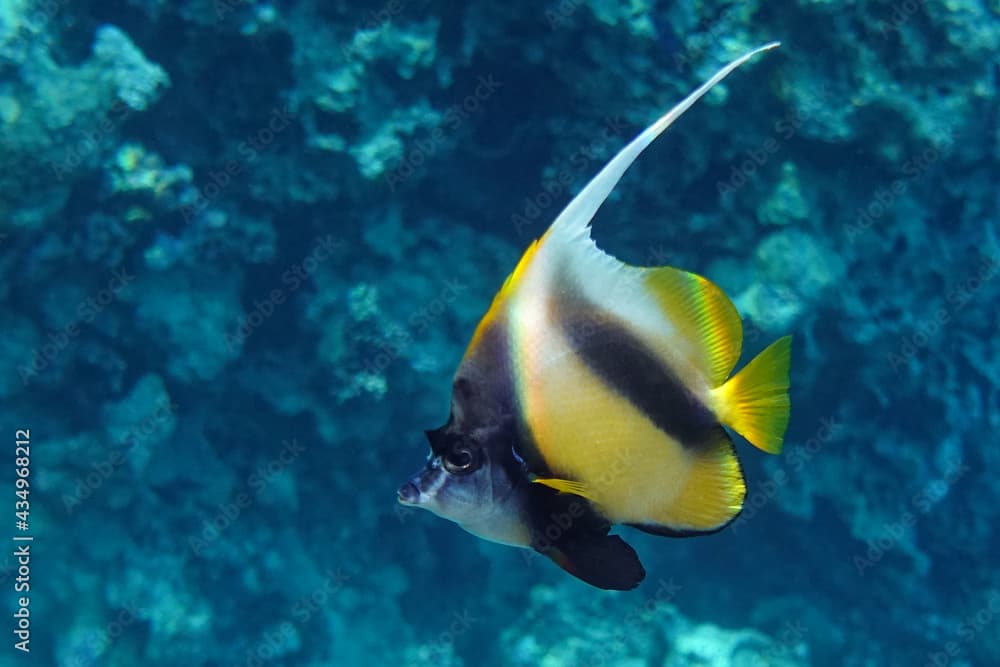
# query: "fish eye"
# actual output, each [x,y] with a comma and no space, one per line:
[461,459]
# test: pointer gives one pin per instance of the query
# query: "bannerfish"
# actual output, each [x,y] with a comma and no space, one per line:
[596,393]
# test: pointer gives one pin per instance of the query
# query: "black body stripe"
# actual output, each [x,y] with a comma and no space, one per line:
[634,371]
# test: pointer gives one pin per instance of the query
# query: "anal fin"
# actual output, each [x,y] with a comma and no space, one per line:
[712,495]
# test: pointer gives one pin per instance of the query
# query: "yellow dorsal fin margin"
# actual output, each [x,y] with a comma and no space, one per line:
[755,402]
[704,317]
[491,316]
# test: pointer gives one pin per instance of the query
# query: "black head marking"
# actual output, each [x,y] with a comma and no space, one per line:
[459,454]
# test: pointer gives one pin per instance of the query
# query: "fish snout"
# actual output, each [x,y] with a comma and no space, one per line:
[408,494]
[422,489]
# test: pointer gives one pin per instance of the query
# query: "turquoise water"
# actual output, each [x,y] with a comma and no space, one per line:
[244,245]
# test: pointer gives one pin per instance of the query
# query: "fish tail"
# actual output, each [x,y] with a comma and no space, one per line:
[755,402]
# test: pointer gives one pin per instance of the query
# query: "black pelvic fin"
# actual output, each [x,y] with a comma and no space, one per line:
[567,529]
[606,562]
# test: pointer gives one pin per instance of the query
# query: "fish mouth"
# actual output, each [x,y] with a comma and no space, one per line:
[408,494]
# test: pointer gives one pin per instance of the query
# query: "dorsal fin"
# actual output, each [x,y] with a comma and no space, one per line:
[569,235]
[704,316]
[575,218]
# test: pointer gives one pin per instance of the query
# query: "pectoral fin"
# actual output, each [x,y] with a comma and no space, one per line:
[755,401]
[565,486]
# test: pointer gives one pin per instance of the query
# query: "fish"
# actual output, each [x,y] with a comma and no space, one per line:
[594,393]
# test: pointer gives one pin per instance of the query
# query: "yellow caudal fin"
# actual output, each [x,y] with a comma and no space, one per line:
[755,402]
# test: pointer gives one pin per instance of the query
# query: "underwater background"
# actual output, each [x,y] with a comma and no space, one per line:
[244,244]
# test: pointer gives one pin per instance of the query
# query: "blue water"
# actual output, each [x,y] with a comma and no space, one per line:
[243,246]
